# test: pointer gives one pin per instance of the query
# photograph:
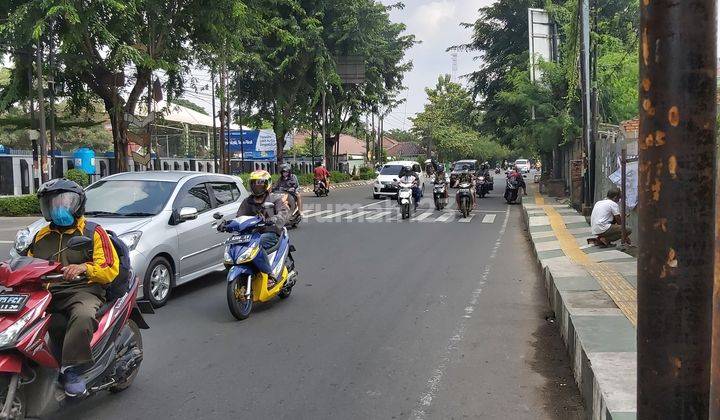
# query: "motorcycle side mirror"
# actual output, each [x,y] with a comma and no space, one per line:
[268,205]
[78,243]
[217,216]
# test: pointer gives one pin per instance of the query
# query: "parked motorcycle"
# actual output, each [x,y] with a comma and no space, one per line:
[484,186]
[321,189]
[405,199]
[464,198]
[295,210]
[511,190]
[30,361]
[249,268]
[440,195]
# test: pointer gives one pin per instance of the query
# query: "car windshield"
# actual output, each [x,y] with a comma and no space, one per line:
[391,170]
[463,167]
[127,198]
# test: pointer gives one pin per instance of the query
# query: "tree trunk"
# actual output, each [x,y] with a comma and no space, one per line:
[280,133]
[120,143]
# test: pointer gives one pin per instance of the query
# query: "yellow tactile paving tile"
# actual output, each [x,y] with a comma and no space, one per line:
[622,293]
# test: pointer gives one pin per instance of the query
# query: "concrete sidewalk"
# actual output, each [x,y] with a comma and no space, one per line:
[593,293]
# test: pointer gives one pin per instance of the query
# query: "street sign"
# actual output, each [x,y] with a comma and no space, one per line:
[141,159]
[142,139]
[140,123]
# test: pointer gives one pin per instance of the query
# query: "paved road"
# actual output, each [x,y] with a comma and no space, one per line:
[429,319]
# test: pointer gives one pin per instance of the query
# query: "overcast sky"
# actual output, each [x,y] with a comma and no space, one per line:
[437,24]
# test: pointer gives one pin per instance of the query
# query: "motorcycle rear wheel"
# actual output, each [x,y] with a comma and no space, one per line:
[19,402]
[239,305]
[122,386]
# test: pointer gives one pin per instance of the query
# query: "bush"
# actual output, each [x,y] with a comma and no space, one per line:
[306,179]
[336,177]
[22,205]
[366,173]
[79,176]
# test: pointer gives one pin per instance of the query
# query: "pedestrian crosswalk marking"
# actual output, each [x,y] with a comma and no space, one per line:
[445,217]
[423,216]
[359,214]
[466,219]
[489,218]
[317,213]
[379,215]
[340,213]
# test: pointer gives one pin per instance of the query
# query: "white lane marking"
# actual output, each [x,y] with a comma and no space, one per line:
[358,215]
[433,383]
[340,213]
[423,216]
[378,215]
[445,217]
[489,218]
[7,242]
[318,213]
[372,204]
[467,219]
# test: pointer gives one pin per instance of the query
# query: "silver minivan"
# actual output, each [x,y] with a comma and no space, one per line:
[166,220]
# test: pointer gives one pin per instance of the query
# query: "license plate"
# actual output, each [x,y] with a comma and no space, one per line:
[10,304]
[241,239]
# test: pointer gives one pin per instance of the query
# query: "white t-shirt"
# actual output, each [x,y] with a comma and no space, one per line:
[602,215]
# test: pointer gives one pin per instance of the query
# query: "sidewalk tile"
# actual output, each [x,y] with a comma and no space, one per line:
[578,225]
[623,415]
[553,253]
[539,221]
[605,333]
[572,219]
[627,268]
[587,299]
[616,373]
[577,283]
[542,239]
[564,267]
[547,245]
[533,229]
[543,234]
[608,255]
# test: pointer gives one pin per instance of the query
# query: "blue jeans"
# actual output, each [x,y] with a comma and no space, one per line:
[417,194]
[269,240]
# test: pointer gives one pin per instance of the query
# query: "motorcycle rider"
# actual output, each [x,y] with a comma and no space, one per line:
[74,302]
[277,216]
[466,177]
[321,174]
[408,176]
[289,184]
[440,178]
[517,176]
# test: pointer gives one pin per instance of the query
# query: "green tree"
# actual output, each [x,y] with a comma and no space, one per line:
[108,49]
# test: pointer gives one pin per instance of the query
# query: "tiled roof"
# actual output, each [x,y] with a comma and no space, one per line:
[406,149]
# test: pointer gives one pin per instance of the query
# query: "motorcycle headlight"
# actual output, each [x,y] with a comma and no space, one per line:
[248,255]
[482,178]
[23,240]
[10,335]
[131,239]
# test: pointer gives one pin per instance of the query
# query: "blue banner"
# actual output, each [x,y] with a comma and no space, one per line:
[249,145]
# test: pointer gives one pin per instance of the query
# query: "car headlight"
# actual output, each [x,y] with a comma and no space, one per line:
[248,255]
[23,240]
[131,239]
[10,335]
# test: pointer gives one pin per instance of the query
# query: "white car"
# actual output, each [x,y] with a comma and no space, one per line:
[166,220]
[523,165]
[384,184]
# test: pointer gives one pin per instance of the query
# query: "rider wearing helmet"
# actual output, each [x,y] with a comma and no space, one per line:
[288,183]
[276,216]
[86,273]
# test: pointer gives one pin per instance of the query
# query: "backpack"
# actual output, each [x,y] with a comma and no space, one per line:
[121,284]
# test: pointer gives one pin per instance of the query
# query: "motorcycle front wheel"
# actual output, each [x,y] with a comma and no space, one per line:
[406,211]
[240,305]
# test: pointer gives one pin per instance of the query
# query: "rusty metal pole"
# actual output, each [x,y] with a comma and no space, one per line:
[675,212]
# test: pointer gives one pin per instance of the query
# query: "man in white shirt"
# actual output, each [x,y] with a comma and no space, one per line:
[605,219]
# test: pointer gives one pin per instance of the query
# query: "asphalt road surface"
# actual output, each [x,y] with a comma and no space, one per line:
[432,318]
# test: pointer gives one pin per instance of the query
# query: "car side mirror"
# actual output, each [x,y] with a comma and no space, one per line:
[187,213]
[217,216]
[78,243]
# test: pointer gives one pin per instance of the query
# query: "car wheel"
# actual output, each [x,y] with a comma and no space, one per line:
[158,281]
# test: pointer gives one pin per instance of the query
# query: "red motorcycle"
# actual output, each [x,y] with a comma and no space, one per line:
[29,363]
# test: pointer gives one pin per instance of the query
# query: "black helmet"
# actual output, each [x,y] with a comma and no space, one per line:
[61,193]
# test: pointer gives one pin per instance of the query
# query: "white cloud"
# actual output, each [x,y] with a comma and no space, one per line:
[429,19]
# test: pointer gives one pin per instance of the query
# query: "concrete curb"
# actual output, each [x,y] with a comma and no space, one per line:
[341,185]
[599,338]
